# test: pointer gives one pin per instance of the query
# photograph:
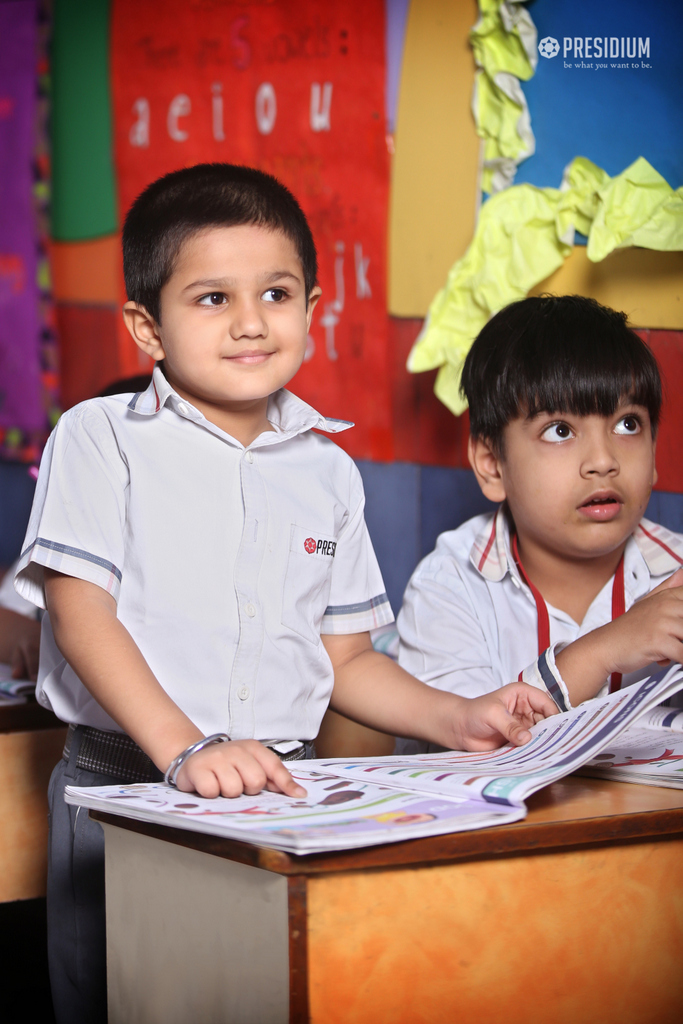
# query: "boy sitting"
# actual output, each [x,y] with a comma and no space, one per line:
[564,403]
[203,553]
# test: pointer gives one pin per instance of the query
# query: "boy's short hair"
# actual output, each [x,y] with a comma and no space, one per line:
[556,354]
[182,203]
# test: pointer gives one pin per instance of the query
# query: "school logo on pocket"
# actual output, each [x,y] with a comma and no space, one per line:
[320,547]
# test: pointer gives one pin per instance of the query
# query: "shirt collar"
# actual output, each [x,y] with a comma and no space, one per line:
[661,549]
[491,554]
[151,401]
[290,415]
[287,413]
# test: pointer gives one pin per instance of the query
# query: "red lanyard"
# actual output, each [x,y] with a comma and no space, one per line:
[618,608]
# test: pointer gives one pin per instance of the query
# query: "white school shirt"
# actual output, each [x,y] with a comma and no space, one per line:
[10,599]
[226,562]
[469,622]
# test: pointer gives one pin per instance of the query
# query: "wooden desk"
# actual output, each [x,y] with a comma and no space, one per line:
[31,743]
[573,916]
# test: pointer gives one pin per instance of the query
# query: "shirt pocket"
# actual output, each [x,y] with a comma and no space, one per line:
[308,579]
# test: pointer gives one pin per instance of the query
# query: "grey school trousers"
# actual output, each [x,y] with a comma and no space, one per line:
[76,932]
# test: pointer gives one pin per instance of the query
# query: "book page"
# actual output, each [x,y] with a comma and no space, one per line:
[663,718]
[336,814]
[558,746]
[642,755]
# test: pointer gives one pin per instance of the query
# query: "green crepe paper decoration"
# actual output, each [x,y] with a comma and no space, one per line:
[637,208]
[83,198]
[504,45]
[525,233]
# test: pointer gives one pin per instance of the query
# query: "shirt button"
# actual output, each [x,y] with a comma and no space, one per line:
[243,692]
[182,407]
[250,610]
[249,457]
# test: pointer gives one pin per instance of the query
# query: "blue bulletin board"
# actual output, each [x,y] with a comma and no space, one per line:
[610,114]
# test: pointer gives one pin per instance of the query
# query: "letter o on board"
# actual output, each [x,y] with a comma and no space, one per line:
[266,108]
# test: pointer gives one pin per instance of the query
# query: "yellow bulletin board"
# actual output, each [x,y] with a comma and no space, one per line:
[434,176]
[644,283]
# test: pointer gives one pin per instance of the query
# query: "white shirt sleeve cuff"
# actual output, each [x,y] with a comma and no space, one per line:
[543,674]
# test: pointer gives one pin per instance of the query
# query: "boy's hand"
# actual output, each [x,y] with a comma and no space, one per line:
[401,705]
[504,716]
[652,630]
[230,769]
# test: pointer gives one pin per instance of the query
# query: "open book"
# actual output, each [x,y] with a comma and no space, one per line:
[649,752]
[367,801]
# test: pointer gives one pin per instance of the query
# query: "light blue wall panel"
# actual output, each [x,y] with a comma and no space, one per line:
[448,498]
[16,496]
[392,511]
[667,509]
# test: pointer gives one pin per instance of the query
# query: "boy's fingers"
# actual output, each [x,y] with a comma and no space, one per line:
[511,728]
[205,783]
[518,735]
[517,695]
[251,774]
[280,781]
[673,581]
[230,770]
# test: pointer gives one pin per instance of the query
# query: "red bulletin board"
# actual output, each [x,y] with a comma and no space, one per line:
[296,88]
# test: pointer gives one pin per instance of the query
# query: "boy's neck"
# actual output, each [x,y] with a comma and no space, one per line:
[242,420]
[568,584]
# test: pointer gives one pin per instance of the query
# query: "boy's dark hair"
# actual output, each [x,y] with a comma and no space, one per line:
[556,354]
[180,204]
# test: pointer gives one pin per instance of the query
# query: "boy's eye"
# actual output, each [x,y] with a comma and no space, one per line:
[628,425]
[275,295]
[557,432]
[213,299]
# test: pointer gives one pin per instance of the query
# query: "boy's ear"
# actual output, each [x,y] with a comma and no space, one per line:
[487,468]
[312,303]
[143,330]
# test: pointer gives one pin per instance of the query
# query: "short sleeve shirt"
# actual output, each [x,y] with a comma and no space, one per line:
[11,600]
[469,622]
[226,563]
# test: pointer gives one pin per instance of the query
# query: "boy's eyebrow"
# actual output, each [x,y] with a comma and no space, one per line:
[223,282]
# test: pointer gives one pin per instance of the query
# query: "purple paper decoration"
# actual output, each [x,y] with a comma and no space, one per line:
[21,402]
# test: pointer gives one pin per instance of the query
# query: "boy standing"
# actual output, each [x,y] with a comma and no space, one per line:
[203,554]
[564,403]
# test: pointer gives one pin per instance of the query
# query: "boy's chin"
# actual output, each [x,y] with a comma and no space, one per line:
[601,544]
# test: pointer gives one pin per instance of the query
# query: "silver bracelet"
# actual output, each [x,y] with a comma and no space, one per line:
[176,764]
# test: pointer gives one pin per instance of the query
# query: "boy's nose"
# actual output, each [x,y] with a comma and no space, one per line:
[248,321]
[600,459]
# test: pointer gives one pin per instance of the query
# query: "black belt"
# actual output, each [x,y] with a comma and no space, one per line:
[115,753]
[111,753]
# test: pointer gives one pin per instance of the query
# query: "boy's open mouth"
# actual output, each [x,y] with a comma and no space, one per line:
[601,507]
